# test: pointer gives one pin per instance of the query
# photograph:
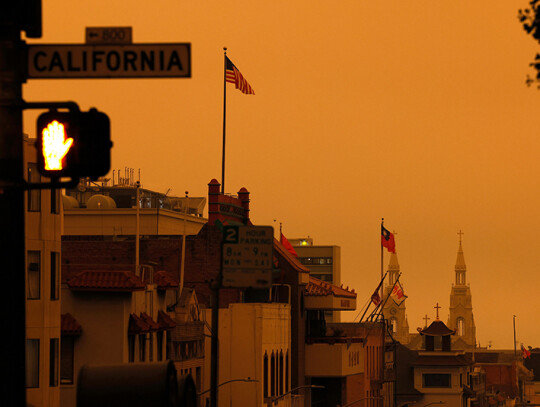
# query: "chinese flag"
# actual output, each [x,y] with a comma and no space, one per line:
[387,240]
[287,245]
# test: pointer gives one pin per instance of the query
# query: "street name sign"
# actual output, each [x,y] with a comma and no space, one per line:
[247,256]
[72,61]
[109,35]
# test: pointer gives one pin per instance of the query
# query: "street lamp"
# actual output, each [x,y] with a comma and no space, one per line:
[365,398]
[248,380]
[310,386]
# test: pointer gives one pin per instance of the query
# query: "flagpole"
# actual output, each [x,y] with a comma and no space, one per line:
[377,289]
[382,265]
[390,292]
[224,116]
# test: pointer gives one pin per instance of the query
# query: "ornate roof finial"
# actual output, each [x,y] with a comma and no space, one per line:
[426,319]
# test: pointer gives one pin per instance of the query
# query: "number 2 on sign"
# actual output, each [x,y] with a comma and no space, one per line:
[231,235]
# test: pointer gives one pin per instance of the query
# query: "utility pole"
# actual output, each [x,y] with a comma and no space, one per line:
[15,16]
[12,245]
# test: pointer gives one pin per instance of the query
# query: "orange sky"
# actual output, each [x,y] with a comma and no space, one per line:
[415,111]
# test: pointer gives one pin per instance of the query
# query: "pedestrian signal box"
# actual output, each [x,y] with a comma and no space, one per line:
[74,144]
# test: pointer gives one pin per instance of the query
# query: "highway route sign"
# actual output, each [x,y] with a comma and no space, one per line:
[247,256]
[77,61]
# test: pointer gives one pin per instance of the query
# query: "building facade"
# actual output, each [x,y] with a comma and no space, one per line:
[324,263]
[43,224]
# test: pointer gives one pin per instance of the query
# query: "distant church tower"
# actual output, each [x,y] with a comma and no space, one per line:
[395,314]
[461,313]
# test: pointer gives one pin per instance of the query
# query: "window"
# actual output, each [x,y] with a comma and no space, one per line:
[131,348]
[53,362]
[32,363]
[151,347]
[34,260]
[55,201]
[280,373]
[273,375]
[394,324]
[265,368]
[437,380]
[287,372]
[460,327]
[142,348]
[55,275]
[34,195]
[66,360]
[159,338]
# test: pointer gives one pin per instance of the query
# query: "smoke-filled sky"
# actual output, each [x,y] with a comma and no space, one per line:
[415,111]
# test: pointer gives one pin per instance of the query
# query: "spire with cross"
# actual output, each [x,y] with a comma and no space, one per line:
[437,308]
[460,233]
[426,319]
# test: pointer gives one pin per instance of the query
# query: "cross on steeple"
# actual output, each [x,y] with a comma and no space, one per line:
[437,308]
[426,319]
[460,233]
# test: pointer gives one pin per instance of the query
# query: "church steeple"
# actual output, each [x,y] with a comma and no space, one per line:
[393,269]
[461,313]
[461,268]
[394,313]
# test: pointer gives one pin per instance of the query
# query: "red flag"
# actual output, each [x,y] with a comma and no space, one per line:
[387,240]
[524,352]
[287,245]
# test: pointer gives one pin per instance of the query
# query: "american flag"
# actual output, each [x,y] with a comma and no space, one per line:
[233,75]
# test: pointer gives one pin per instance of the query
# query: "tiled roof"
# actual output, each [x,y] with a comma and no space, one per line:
[165,280]
[317,287]
[154,326]
[437,328]
[69,325]
[293,261]
[106,281]
[137,325]
[165,321]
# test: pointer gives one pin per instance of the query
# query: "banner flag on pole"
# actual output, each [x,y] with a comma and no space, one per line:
[397,293]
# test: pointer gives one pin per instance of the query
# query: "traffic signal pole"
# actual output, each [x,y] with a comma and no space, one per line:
[12,244]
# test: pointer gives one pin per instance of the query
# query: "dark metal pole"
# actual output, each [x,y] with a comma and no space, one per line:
[382,260]
[12,244]
[224,117]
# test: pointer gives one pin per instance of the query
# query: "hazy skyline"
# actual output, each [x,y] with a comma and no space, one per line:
[417,112]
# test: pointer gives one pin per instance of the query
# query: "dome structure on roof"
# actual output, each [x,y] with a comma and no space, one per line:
[99,201]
